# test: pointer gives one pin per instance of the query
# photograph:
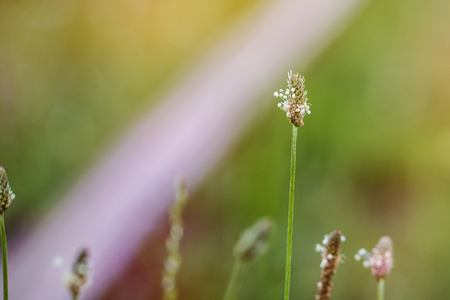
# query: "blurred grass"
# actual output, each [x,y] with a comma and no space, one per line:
[74,74]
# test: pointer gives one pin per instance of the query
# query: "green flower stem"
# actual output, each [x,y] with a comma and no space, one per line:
[381,289]
[287,279]
[4,256]
[74,297]
[231,291]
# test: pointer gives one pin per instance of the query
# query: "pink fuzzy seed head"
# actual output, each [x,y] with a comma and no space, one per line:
[382,258]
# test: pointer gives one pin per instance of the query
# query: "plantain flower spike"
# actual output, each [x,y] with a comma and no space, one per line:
[78,275]
[381,260]
[254,240]
[329,250]
[293,100]
[6,193]
[173,261]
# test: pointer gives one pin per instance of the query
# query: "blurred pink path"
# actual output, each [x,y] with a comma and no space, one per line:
[118,202]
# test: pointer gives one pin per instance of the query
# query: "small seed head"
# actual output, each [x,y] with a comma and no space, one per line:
[173,261]
[6,193]
[381,260]
[254,240]
[329,250]
[78,275]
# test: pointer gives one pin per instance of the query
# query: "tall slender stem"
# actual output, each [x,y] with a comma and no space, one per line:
[287,279]
[4,256]
[230,293]
[381,289]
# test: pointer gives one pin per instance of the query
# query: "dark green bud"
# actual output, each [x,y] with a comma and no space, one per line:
[254,240]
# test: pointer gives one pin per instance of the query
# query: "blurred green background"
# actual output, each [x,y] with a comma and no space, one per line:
[373,157]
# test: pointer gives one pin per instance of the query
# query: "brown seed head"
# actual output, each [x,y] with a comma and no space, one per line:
[6,194]
[330,260]
[78,276]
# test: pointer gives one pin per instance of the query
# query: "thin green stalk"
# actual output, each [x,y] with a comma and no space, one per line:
[5,257]
[381,289]
[74,297]
[287,279]
[231,291]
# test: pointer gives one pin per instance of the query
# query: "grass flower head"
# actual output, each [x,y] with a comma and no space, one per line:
[329,250]
[381,260]
[254,240]
[78,278]
[173,261]
[6,193]
[293,100]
